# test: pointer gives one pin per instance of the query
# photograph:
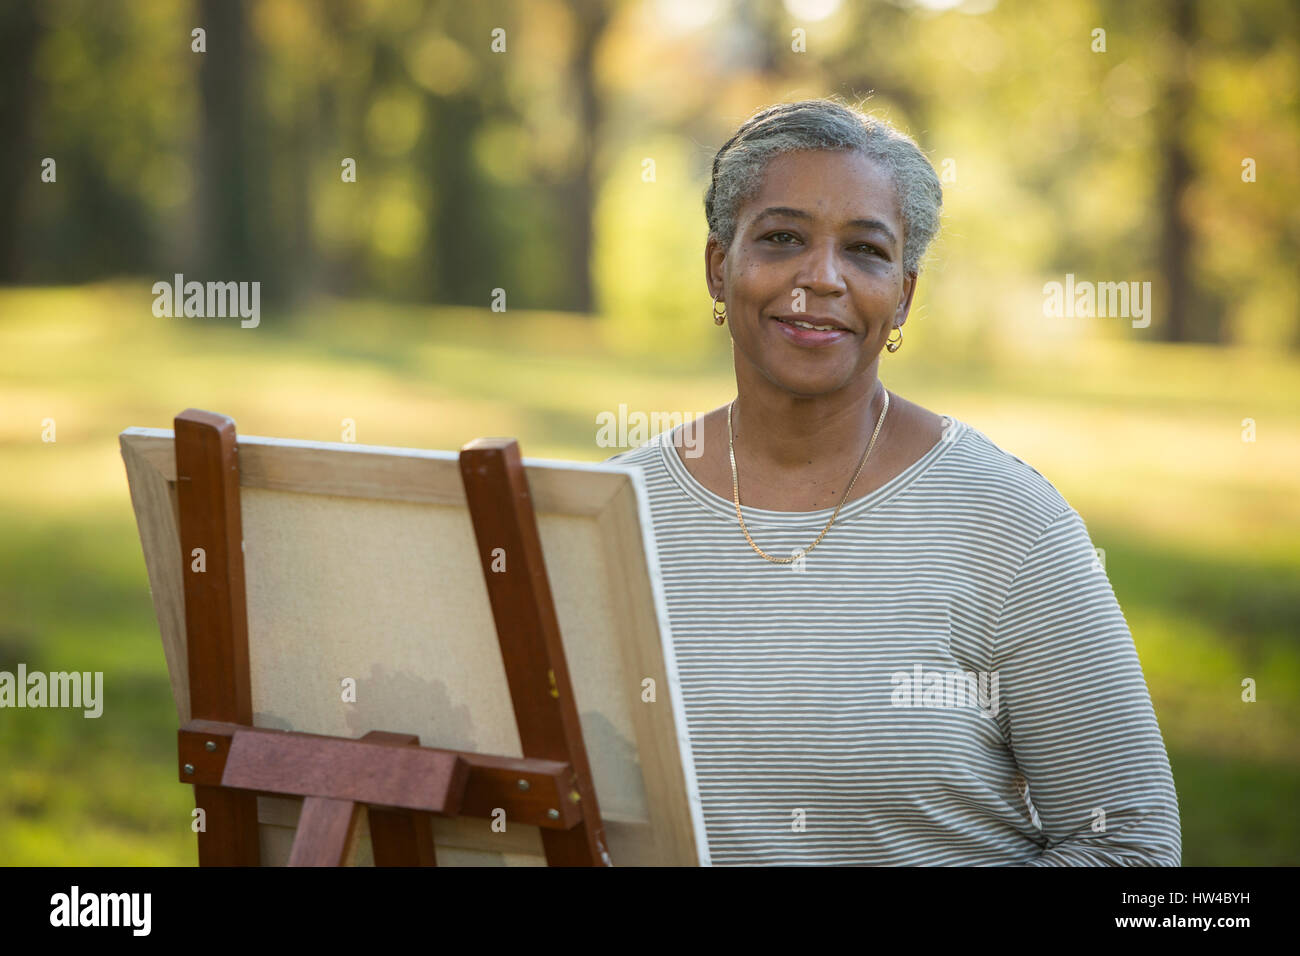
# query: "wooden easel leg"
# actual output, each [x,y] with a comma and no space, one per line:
[216,616]
[327,829]
[230,819]
[546,712]
[400,837]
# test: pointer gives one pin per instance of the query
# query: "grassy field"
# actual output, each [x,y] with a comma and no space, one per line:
[1201,530]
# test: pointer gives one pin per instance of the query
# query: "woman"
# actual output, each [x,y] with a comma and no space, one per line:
[895,642]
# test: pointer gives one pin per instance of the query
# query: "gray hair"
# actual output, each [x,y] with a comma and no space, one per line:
[824,124]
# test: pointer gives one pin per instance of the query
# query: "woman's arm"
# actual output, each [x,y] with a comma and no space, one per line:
[1076,711]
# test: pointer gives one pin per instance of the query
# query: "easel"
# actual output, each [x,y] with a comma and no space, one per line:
[230,762]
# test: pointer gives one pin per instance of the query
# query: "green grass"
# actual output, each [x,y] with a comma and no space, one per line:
[1201,530]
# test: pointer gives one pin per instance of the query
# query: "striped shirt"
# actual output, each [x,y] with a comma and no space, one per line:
[947,679]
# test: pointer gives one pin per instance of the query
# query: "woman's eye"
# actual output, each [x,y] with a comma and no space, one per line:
[776,237]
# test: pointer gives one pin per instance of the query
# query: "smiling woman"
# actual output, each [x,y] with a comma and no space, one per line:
[883,556]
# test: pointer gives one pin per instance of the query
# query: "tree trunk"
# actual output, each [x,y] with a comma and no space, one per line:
[1182,316]
[579,194]
[20,167]
[224,234]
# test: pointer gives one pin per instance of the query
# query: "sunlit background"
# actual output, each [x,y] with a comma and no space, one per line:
[551,158]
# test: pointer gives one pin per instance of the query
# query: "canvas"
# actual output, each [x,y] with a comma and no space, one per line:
[361,565]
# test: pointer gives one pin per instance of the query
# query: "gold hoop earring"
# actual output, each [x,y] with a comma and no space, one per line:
[892,345]
[719,317]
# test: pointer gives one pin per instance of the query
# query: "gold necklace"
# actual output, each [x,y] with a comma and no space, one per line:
[735,487]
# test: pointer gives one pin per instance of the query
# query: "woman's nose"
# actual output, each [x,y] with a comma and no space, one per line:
[820,269]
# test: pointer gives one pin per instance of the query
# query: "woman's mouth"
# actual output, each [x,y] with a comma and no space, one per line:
[809,331]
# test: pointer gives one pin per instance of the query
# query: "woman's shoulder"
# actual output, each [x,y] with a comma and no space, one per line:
[987,476]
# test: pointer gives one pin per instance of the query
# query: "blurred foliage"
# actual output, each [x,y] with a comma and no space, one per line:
[524,169]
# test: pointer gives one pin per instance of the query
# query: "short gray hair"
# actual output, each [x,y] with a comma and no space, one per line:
[824,124]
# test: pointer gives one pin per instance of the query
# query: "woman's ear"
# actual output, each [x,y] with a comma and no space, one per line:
[905,303]
[714,256]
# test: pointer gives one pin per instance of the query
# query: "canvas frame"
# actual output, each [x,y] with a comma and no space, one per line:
[597,537]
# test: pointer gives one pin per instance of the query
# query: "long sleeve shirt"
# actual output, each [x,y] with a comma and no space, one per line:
[947,679]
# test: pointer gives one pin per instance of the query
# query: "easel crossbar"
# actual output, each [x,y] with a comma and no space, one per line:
[377,773]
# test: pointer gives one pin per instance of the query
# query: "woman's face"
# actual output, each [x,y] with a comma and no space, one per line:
[827,223]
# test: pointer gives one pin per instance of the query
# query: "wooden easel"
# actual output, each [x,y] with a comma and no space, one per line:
[230,762]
